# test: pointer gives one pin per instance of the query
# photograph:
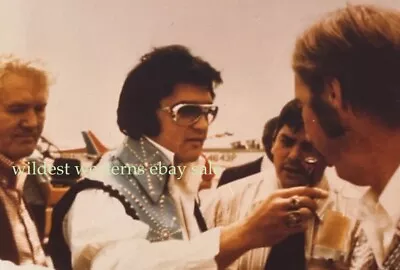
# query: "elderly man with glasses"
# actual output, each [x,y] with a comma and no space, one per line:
[137,209]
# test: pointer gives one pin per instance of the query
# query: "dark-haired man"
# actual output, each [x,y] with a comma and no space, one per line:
[237,200]
[144,219]
[347,78]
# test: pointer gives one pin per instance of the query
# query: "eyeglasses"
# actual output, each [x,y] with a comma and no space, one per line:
[188,114]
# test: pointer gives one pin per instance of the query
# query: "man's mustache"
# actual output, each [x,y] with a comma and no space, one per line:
[295,165]
[27,133]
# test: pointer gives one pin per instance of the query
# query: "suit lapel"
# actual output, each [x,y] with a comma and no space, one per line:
[141,155]
[8,247]
[258,165]
[144,189]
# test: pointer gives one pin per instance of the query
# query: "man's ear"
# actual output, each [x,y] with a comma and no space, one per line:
[333,94]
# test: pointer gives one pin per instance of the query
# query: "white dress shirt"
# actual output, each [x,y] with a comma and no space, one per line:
[266,164]
[379,217]
[102,236]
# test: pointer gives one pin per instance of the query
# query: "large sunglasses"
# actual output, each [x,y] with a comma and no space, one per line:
[188,114]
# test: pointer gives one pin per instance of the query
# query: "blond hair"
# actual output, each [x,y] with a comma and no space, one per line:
[358,45]
[10,64]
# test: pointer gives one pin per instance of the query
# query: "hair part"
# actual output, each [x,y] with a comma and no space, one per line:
[358,45]
[154,79]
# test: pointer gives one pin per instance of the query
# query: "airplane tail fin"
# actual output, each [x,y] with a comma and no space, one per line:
[93,144]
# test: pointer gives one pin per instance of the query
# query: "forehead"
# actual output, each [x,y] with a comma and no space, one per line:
[300,135]
[16,88]
[188,93]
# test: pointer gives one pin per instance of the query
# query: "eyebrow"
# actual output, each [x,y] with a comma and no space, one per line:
[24,104]
[287,136]
[193,102]
[303,142]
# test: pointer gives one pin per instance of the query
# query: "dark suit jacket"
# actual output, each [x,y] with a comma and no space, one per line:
[8,247]
[241,171]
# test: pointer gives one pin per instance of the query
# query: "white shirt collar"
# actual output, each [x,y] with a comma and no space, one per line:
[266,164]
[169,154]
[389,194]
[370,200]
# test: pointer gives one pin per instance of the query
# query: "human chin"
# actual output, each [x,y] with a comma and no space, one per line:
[346,173]
[288,182]
[351,172]
[17,153]
[189,155]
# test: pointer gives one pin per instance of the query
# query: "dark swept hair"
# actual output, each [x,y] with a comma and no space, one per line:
[360,47]
[268,134]
[153,79]
[290,115]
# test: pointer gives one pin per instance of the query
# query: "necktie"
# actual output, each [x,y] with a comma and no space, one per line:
[288,254]
[199,217]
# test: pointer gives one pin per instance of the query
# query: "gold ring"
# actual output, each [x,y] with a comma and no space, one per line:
[294,203]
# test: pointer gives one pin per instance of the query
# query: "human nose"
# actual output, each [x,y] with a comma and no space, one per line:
[202,123]
[295,152]
[30,119]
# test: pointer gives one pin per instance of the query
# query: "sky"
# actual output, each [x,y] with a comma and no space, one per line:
[89,46]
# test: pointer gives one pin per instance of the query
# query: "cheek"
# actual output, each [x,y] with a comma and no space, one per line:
[170,136]
[8,125]
[169,129]
[177,136]
[308,118]
[40,125]
[316,134]
[42,118]
[279,157]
